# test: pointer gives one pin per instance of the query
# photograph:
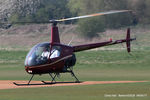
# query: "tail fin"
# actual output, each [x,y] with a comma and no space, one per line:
[128,41]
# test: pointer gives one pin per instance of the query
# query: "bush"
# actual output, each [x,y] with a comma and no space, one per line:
[47,10]
[90,27]
[115,21]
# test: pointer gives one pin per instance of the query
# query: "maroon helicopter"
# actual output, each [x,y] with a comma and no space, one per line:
[54,58]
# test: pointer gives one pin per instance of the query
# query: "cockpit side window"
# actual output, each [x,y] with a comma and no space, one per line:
[40,54]
[55,52]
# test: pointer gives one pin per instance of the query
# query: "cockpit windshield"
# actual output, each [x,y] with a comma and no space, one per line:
[40,54]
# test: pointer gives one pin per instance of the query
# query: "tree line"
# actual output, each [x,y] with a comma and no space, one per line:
[56,9]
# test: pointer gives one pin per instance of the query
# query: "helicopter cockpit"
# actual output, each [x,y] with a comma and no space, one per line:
[40,54]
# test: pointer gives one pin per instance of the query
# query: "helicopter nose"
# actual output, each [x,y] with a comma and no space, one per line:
[28,70]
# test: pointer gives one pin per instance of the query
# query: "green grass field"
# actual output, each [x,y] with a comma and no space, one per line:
[91,66]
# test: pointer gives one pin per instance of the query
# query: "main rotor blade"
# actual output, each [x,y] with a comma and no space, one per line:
[96,14]
[30,22]
[73,18]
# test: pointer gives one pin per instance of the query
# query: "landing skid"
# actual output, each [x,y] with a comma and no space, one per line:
[17,84]
[53,81]
[59,82]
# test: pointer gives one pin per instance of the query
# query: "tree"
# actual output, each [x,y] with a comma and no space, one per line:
[117,20]
[147,10]
[141,10]
[52,9]
[90,27]
[40,10]
[82,7]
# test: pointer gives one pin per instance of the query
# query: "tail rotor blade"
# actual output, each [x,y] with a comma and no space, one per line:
[128,40]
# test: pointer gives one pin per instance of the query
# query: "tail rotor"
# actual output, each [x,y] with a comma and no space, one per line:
[128,44]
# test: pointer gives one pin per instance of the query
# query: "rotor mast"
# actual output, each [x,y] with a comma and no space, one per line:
[54,33]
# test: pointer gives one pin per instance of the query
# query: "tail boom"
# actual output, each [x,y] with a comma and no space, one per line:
[107,43]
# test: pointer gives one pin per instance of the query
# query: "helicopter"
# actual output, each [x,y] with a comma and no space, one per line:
[54,58]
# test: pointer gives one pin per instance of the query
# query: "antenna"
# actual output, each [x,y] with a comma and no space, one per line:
[71,40]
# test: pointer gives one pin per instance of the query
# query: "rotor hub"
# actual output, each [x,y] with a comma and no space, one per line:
[54,22]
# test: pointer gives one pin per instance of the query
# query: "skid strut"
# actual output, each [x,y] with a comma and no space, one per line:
[53,77]
[24,84]
[72,73]
[30,79]
[53,81]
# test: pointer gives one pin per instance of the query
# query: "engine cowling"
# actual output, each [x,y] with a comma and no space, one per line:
[70,61]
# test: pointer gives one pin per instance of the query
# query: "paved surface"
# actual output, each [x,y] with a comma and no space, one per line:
[9,83]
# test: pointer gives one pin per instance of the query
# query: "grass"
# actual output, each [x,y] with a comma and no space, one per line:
[91,92]
[91,66]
